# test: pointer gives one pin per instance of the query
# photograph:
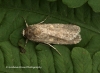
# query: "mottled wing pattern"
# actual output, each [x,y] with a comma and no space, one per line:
[61,31]
[55,33]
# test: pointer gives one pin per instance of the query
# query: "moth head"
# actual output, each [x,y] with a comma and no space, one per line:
[31,32]
[23,32]
[27,33]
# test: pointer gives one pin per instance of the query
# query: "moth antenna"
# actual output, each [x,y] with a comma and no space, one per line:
[25,22]
[43,20]
[53,48]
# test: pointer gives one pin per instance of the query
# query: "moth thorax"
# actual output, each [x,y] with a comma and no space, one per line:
[36,32]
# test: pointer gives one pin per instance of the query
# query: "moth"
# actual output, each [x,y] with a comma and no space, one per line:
[53,33]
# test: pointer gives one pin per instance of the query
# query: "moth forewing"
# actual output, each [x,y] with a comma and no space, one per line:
[53,33]
[61,31]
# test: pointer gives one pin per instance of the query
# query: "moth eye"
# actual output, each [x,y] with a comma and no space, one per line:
[29,32]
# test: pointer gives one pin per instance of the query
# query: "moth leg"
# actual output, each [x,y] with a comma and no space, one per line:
[26,42]
[43,20]
[22,48]
[53,48]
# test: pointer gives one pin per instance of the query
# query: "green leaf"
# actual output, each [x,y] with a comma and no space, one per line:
[95,5]
[51,0]
[45,59]
[96,62]
[74,3]
[81,60]
[10,57]
[77,12]
[63,63]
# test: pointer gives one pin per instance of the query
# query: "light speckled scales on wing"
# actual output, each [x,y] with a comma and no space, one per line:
[53,33]
[60,31]
[53,40]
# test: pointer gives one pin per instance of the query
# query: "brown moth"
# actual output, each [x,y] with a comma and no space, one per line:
[53,33]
